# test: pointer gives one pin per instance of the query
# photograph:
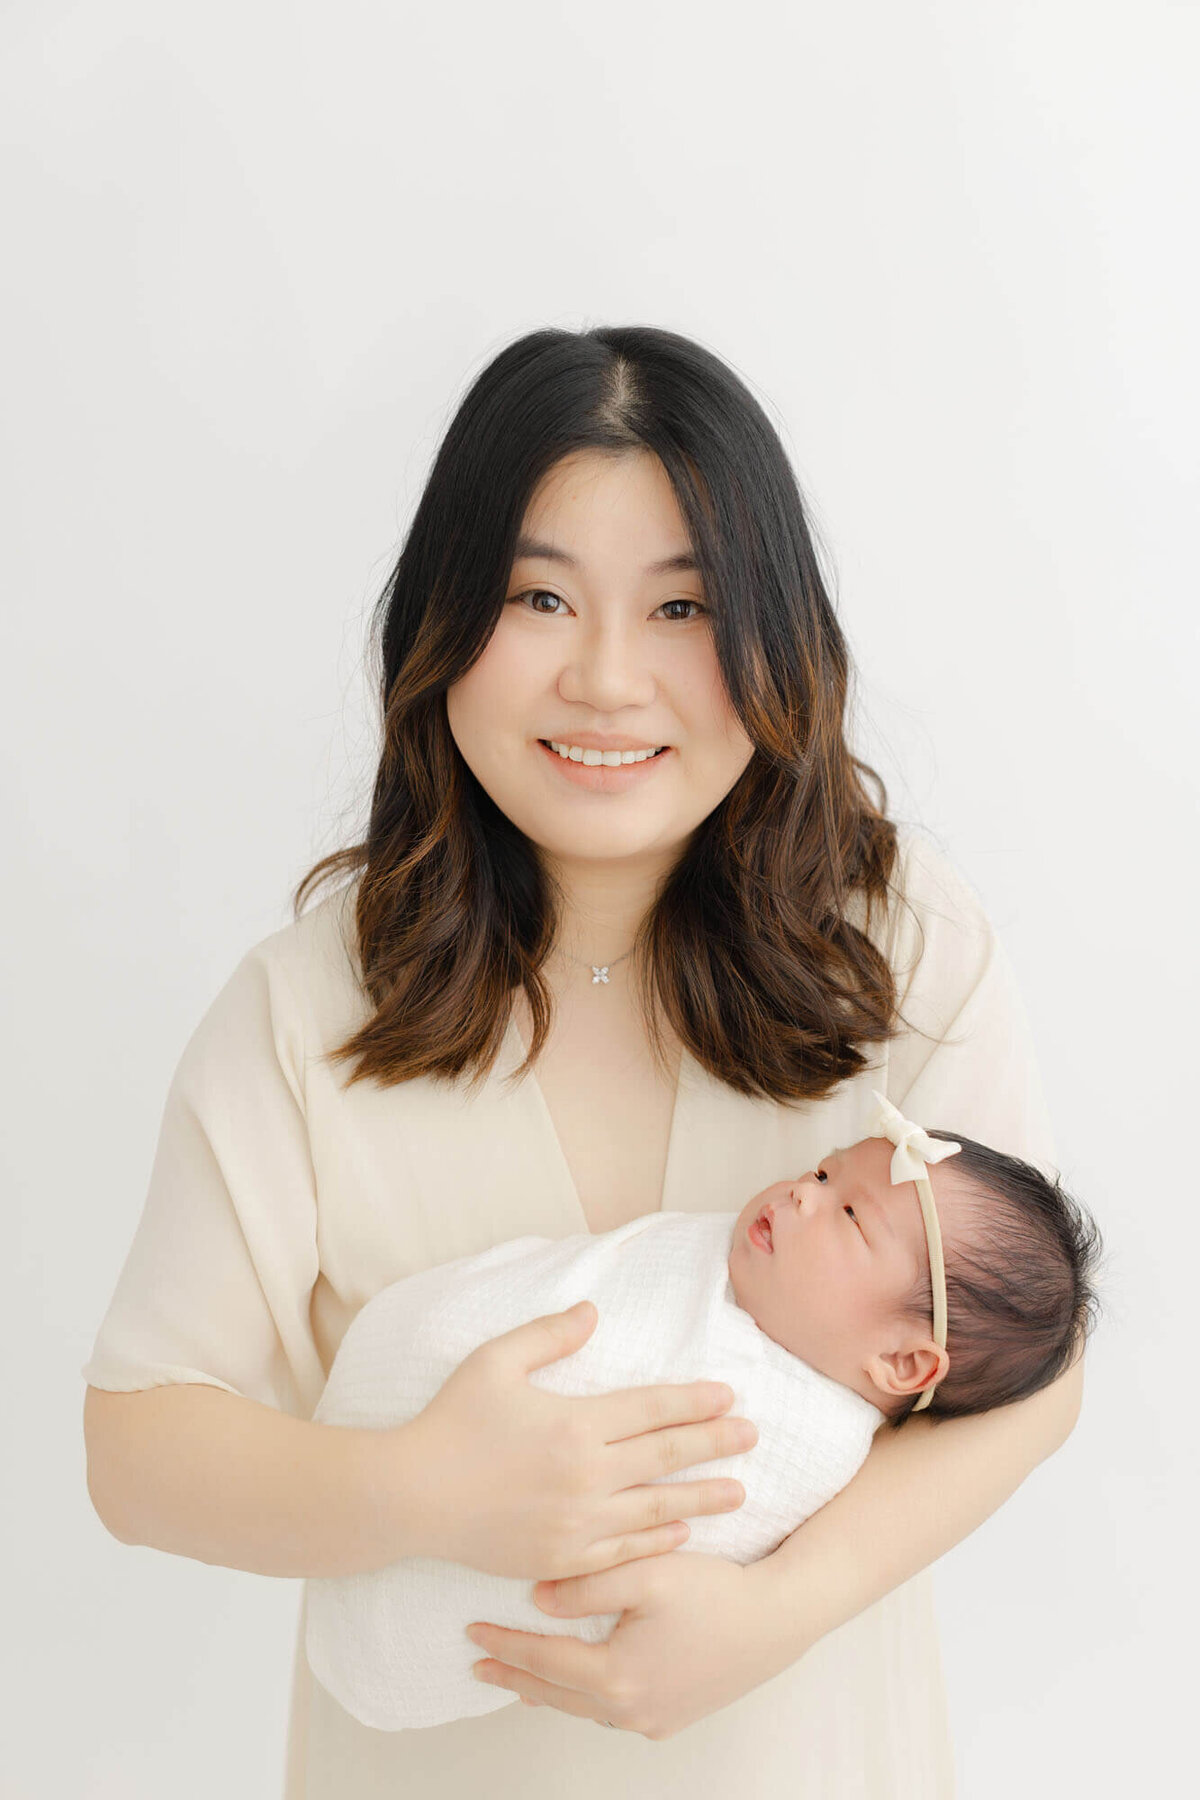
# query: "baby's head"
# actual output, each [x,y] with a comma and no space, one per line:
[842,1279]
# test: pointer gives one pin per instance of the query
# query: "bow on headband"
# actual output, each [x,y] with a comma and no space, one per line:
[914,1149]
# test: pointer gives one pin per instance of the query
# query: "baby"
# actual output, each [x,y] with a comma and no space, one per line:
[834,1302]
[845,1267]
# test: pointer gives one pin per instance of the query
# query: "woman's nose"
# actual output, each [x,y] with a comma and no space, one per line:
[608,669]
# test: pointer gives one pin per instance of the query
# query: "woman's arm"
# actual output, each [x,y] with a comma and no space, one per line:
[921,1490]
[199,1472]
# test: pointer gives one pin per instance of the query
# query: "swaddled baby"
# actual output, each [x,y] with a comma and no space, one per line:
[832,1303]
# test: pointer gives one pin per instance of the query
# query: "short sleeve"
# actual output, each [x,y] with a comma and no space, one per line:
[217,1282]
[965,1059]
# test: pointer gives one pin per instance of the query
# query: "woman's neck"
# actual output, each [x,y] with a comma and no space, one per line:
[602,908]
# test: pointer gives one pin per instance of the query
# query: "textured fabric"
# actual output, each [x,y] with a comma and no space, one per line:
[280,1201]
[391,1645]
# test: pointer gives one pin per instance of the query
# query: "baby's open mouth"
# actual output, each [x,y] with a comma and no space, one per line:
[760,1231]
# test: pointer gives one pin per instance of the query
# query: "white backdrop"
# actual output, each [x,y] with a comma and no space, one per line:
[254,254]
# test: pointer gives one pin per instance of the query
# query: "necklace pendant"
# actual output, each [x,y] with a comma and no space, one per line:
[600,974]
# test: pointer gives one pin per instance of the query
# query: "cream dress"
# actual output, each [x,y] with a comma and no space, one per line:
[279,1204]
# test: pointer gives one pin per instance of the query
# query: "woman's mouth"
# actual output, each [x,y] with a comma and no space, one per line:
[600,778]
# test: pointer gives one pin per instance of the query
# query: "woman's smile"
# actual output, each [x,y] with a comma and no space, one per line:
[600,777]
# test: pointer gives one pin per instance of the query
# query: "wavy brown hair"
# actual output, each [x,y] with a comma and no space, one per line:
[751,947]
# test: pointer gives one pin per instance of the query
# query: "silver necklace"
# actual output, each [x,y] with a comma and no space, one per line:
[601,973]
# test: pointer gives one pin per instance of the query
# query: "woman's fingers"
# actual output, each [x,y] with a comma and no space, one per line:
[644,1509]
[649,1458]
[653,1520]
[628,1412]
[567,1662]
[631,1546]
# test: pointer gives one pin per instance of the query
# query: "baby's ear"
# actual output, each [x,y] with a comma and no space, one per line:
[901,1373]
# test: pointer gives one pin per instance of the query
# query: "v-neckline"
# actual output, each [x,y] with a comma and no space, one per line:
[667,1199]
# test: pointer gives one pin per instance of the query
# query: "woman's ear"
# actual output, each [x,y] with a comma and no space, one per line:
[900,1373]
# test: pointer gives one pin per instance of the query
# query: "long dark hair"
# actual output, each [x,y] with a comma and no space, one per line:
[749,948]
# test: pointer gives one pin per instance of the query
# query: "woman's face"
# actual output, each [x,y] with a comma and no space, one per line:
[601,643]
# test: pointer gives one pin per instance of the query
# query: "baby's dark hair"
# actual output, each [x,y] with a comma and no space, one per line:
[1020,1300]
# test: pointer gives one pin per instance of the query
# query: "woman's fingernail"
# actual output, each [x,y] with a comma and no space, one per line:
[547,1599]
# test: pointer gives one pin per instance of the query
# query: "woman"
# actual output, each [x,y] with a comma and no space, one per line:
[557,995]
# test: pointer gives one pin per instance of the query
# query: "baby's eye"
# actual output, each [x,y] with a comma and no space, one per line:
[854,1216]
[821,1175]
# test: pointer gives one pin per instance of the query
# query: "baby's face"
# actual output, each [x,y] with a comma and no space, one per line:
[844,1250]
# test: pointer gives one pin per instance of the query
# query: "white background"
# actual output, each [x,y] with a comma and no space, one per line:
[254,254]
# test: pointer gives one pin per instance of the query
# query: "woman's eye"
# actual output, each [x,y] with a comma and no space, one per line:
[537,593]
[533,594]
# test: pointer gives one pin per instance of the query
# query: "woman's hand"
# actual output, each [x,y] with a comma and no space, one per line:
[523,1482]
[695,1634]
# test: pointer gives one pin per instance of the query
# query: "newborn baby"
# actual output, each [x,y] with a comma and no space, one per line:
[834,1302]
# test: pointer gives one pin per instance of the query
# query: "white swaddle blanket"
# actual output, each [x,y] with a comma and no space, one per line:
[391,1645]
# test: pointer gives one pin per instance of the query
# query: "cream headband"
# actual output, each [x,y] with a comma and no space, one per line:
[915,1148]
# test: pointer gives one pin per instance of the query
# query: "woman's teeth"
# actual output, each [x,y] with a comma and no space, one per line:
[610,758]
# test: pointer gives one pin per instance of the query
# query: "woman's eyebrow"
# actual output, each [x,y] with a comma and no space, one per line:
[670,565]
